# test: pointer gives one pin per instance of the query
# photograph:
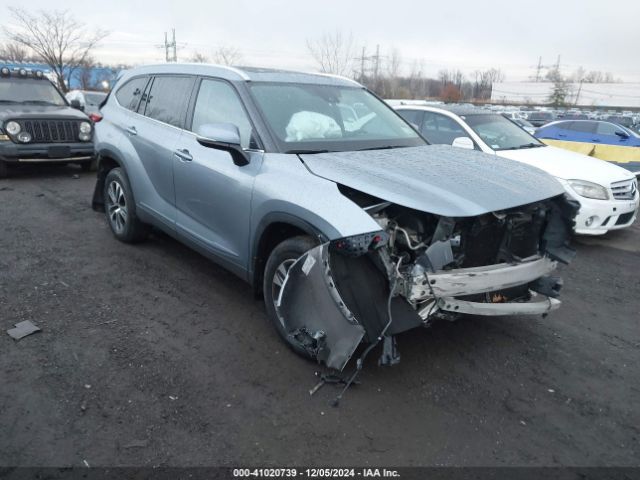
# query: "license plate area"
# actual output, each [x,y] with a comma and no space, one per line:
[59,151]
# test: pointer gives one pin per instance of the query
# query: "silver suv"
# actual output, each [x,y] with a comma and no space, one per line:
[332,206]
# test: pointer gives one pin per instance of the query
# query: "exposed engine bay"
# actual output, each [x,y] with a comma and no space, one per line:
[420,267]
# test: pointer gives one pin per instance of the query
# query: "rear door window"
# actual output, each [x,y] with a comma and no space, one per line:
[130,93]
[583,127]
[168,99]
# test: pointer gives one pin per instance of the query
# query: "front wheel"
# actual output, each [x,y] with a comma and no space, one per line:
[4,170]
[120,208]
[280,261]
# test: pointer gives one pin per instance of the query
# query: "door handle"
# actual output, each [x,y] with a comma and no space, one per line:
[132,131]
[562,135]
[183,154]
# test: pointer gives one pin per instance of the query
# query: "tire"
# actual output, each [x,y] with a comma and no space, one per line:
[286,252]
[4,169]
[120,209]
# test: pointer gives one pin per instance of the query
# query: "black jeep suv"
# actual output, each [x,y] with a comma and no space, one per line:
[37,124]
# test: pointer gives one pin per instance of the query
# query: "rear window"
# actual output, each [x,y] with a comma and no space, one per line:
[168,99]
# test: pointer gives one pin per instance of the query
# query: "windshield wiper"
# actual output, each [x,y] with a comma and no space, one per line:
[529,145]
[8,101]
[308,152]
[40,102]
[384,147]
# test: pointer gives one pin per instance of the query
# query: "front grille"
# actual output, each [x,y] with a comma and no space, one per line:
[52,131]
[624,218]
[625,190]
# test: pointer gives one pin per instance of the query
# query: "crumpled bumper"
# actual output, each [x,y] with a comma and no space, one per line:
[323,292]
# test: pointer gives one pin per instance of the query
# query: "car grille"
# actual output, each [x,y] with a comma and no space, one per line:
[625,190]
[52,131]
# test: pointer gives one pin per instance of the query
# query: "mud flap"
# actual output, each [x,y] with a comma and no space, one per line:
[314,313]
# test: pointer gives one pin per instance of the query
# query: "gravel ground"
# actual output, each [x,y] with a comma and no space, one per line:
[152,355]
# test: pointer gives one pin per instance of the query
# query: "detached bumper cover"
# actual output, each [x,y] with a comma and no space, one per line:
[322,323]
[319,320]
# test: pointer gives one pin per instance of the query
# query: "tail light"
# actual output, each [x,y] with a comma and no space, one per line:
[95,117]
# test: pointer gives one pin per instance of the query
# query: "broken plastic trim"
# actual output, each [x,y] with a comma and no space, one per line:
[312,309]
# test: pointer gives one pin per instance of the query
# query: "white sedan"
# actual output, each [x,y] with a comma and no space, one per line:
[608,195]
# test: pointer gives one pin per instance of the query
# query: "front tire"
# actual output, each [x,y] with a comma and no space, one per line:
[120,208]
[278,264]
[4,170]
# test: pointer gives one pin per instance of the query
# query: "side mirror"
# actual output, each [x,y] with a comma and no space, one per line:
[463,142]
[223,136]
[622,134]
[77,105]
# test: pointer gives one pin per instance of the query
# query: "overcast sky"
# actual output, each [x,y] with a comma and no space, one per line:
[465,34]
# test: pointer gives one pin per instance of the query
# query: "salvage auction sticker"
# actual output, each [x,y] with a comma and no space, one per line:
[315,473]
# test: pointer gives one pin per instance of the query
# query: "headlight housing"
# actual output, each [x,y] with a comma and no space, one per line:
[12,128]
[85,127]
[589,189]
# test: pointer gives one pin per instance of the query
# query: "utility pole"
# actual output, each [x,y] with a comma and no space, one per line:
[173,43]
[170,47]
[377,57]
[362,59]
[538,69]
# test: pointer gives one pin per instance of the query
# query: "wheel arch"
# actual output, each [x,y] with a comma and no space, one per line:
[273,229]
[107,161]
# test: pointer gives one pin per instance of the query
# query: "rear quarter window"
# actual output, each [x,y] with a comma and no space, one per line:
[129,94]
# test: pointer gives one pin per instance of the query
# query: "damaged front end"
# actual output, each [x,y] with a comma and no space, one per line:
[419,267]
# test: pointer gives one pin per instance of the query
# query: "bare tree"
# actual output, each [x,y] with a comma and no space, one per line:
[333,52]
[14,52]
[56,37]
[199,58]
[227,55]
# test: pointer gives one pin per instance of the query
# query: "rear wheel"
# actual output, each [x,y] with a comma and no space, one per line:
[280,261]
[120,208]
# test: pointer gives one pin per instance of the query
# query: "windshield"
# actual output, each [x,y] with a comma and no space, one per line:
[499,133]
[27,90]
[308,117]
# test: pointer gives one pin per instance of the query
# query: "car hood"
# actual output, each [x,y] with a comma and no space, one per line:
[439,179]
[39,111]
[569,165]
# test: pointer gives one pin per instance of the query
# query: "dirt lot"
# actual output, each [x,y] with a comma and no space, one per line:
[151,355]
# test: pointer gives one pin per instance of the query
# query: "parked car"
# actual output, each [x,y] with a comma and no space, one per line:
[607,194]
[89,101]
[38,125]
[604,140]
[353,231]
[538,119]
